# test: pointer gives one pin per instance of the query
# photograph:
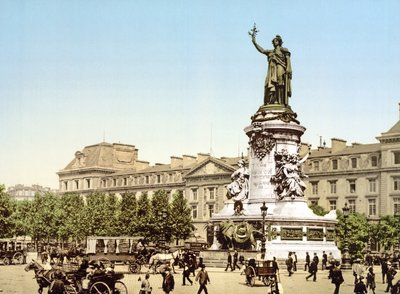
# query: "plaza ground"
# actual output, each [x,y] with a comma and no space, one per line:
[13,279]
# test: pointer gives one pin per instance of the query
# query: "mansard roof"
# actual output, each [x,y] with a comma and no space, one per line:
[104,155]
[348,150]
[391,136]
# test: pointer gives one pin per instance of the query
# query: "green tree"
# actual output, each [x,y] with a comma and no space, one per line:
[45,216]
[6,210]
[387,231]
[357,232]
[72,213]
[111,215]
[181,222]
[21,218]
[160,220]
[318,210]
[127,217]
[143,218]
[95,214]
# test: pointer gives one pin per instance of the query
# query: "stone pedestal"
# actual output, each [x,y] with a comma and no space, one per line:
[292,226]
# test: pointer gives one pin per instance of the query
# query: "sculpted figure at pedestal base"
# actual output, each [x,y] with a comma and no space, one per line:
[238,190]
[288,177]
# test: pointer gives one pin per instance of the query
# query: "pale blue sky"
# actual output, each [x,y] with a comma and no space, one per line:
[165,75]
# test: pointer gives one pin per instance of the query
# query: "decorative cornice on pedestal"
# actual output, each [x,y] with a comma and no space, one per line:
[275,112]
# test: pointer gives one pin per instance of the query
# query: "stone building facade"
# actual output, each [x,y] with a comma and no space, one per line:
[21,192]
[365,176]
[115,168]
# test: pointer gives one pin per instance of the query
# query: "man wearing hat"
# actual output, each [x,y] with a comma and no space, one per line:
[57,285]
[169,282]
[203,278]
[390,276]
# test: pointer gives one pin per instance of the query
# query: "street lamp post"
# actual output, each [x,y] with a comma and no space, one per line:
[264,210]
[162,217]
[346,258]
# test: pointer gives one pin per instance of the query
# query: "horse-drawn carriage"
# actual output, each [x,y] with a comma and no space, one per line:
[11,252]
[78,280]
[263,270]
[125,250]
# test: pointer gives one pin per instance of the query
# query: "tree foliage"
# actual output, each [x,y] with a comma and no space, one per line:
[6,209]
[318,210]
[182,223]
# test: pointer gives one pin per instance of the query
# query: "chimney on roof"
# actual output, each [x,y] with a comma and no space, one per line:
[176,161]
[188,160]
[338,144]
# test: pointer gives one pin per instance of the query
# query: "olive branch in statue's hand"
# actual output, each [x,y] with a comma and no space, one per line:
[253,32]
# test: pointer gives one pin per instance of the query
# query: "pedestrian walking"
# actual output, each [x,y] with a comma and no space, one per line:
[316,259]
[390,276]
[384,268]
[24,253]
[294,261]
[336,277]
[186,275]
[289,264]
[313,271]
[145,286]
[307,263]
[235,260]
[371,279]
[359,287]
[358,270]
[203,278]
[229,261]
[169,282]
[324,260]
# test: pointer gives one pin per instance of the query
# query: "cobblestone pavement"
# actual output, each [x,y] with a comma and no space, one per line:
[13,279]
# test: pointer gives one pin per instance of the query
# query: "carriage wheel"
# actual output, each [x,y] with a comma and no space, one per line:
[120,288]
[134,268]
[18,258]
[99,288]
[6,261]
[253,276]
[69,289]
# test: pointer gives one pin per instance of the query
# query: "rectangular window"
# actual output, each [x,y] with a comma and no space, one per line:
[194,212]
[114,182]
[316,165]
[352,205]
[332,204]
[396,184]
[334,164]
[147,179]
[314,188]
[374,161]
[354,163]
[158,179]
[194,194]
[65,186]
[352,186]
[210,210]
[76,184]
[372,185]
[371,206]
[88,183]
[333,187]
[396,206]
[396,155]
[125,181]
[211,193]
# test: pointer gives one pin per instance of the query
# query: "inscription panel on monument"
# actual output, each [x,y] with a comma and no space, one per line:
[314,234]
[330,235]
[291,234]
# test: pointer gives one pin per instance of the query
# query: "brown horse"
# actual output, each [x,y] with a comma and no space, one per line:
[43,277]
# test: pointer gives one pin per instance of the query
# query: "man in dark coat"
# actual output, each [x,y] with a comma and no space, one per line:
[203,278]
[307,263]
[169,282]
[336,276]
[390,276]
[313,271]
[229,264]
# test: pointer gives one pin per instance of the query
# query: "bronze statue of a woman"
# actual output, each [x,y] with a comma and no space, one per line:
[277,83]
